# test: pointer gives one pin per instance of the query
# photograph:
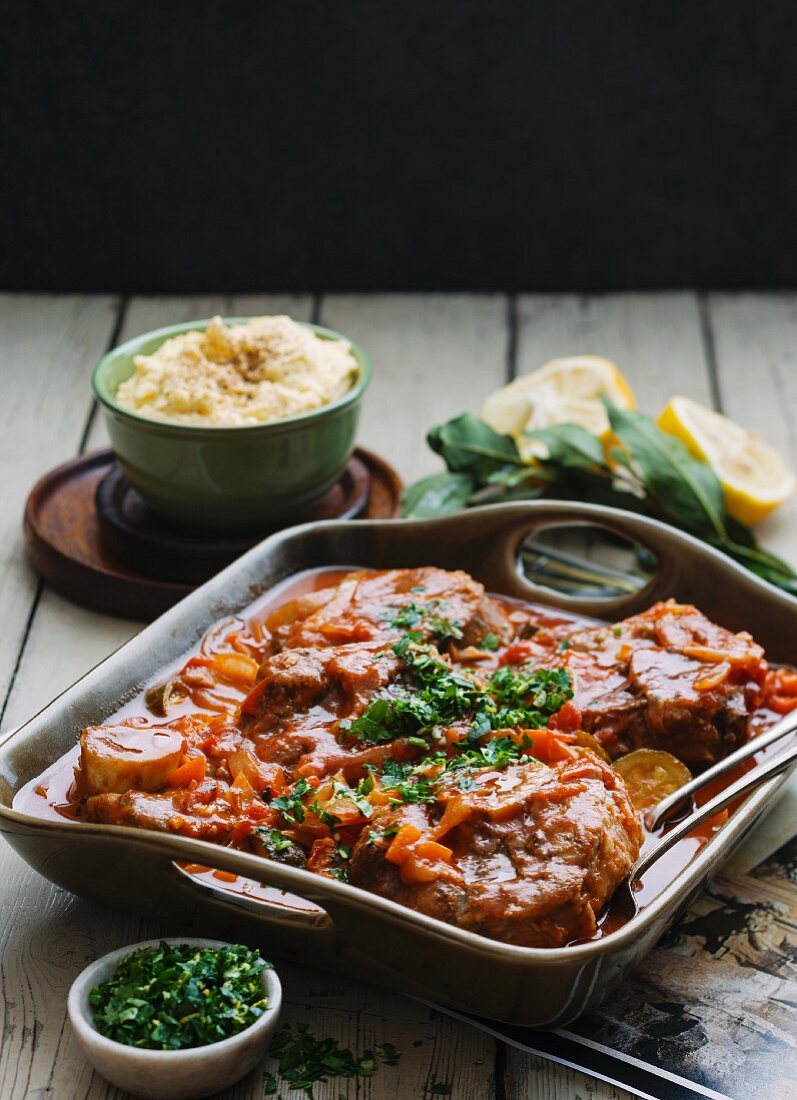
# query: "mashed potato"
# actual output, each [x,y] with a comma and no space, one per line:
[237,375]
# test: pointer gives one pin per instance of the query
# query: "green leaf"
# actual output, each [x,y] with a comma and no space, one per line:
[503,494]
[654,474]
[438,495]
[570,446]
[517,475]
[759,561]
[468,445]
[686,491]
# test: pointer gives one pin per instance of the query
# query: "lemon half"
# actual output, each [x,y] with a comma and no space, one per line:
[755,478]
[563,391]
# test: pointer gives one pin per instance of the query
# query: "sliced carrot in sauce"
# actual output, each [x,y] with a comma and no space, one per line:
[402,842]
[780,690]
[430,849]
[549,746]
[359,630]
[718,675]
[235,667]
[191,771]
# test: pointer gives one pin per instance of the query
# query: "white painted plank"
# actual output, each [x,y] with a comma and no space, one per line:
[52,935]
[46,938]
[754,337]
[48,347]
[64,642]
[755,344]
[361,1017]
[68,640]
[655,339]
[434,355]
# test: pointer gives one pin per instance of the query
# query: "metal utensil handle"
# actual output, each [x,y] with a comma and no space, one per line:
[659,812]
[742,786]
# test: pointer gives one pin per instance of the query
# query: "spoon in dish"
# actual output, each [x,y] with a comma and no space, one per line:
[662,810]
[748,782]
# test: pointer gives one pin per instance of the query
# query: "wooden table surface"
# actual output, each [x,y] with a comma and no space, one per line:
[434,355]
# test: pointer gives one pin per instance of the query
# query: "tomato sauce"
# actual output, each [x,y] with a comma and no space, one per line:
[188,688]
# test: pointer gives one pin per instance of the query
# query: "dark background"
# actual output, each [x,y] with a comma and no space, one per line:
[350,144]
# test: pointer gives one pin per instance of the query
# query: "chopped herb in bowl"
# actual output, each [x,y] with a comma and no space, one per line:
[175,996]
[175,1019]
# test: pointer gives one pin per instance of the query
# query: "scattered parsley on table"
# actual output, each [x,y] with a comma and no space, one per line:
[303,1060]
[171,997]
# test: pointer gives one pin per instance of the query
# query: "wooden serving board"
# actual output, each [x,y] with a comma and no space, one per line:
[90,536]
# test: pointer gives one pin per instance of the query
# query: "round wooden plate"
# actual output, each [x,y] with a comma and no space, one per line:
[144,542]
[123,561]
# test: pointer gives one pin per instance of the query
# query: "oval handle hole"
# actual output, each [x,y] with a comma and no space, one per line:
[586,561]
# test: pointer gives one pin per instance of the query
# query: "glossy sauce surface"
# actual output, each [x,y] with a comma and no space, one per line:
[54,794]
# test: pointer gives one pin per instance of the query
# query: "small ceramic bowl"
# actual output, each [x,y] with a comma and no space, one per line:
[250,476]
[169,1074]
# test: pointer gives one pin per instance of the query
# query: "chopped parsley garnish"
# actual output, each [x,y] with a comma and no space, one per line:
[617,631]
[338,866]
[385,719]
[324,816]
[420,781]
[381,834]
[445,629]
[274,839]
[514,697]
[563,645]
[172,997]
[407,616]
[358,796]
[290,805]
[529,697]
[490,642]
[413,615]
[406,784]
[499,752]
[303,1060]
[388,1053]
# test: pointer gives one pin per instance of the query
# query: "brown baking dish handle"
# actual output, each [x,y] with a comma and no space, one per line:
[492,552]
[306,917]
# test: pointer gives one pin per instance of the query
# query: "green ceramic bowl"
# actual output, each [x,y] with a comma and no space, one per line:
[253,476]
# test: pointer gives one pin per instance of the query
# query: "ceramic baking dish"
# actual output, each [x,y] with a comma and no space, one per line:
[358,933]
